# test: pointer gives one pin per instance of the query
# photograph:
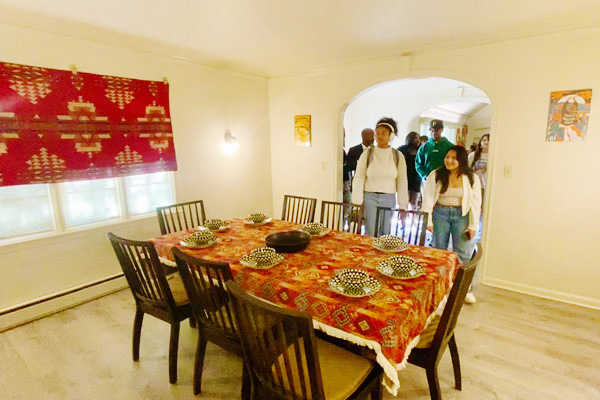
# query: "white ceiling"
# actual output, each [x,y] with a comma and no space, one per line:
[464,109]
[424,85]
[273,38]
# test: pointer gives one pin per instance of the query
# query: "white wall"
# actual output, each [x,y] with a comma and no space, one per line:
[479,124]
[542,225]
[204,102]
[404,101]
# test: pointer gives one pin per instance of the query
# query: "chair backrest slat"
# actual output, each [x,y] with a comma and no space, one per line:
[143,271]
[408,224]
[304,379]
[177,217]
[298,209]
[204,283]
[279,347]
[455,301]
[342,216]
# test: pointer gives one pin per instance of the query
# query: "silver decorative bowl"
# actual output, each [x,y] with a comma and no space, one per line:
[390,242]
[401,267]
[353,283]
[214,224]
[352,280]
[257,217]
[314,228]
[201,237]
[263,255]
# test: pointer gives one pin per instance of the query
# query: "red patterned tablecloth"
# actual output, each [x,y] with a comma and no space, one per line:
[388,321]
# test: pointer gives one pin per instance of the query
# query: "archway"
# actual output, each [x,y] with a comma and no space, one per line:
[412,101]
[465,109]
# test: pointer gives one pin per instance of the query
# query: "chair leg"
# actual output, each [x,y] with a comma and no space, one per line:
[377,393]
[455,363]
[199,360]
[173,347]
[246,384]
[137,333]
[434,384]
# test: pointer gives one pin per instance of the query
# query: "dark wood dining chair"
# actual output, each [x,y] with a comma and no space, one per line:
[342,216]
[178,217]
[286,361]
[153,293]
[408,224]
[298,209]
[439,334]
[204,282]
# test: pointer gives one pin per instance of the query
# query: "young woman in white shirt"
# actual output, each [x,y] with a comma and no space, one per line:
[453,200]
[380,179]
[478,160]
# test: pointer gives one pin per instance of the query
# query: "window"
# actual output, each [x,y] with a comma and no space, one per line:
[29,209]
[25,210]
[146,192]
[86,202]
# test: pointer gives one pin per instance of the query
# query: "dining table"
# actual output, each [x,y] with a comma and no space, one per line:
[388,322]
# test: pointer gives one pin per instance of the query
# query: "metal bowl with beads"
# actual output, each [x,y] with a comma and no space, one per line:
[400,267]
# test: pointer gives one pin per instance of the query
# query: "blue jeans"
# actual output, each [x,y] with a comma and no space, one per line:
[448,221]
[371,202]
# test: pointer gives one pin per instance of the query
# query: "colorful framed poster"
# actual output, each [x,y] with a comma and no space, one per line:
[302,130]
[568,115]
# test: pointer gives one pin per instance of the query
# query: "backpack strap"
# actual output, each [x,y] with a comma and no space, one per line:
[396,154]
[369,156]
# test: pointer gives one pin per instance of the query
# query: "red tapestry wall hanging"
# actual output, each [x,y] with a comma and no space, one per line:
[58,126]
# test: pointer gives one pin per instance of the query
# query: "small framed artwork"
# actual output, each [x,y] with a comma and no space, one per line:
[568,115]
[302,130]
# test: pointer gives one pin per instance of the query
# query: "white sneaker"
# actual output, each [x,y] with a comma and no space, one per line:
[470,298]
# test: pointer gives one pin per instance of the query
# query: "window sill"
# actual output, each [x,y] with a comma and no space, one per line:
[76,230]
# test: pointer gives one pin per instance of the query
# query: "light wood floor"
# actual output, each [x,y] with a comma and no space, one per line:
[511,346]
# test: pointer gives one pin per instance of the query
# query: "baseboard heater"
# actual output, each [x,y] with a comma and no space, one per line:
[59,294]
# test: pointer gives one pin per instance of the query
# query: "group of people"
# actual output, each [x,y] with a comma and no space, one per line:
[450,181]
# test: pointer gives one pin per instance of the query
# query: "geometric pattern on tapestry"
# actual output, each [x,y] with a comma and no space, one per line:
[59,125]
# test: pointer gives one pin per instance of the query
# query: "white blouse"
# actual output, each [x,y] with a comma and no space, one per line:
[452,197]
[382,176]
[470,202]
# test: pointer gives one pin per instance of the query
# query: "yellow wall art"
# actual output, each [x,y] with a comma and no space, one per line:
[302,130]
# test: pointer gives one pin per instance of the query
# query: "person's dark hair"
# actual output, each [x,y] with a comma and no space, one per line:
[424,138]
[477,155]
[387,123]
[442,174]
[410,138]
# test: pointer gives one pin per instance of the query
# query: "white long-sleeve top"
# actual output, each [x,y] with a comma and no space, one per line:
[470,204]
[382,176]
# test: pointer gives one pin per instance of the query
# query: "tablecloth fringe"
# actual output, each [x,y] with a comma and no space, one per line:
[391,380]
[388,367]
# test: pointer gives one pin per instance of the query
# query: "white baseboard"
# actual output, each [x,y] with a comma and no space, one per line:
[544,293]
[30,313]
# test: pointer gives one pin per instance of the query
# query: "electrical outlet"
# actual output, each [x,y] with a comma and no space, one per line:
[507,171]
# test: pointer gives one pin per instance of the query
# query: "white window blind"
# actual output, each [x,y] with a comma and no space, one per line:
[146,192]
[85,202]
[25,209]
[30,209]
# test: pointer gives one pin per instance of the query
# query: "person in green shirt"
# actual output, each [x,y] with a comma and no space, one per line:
[431,155]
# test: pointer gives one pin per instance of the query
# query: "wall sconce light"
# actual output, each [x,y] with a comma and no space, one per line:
[230,143]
